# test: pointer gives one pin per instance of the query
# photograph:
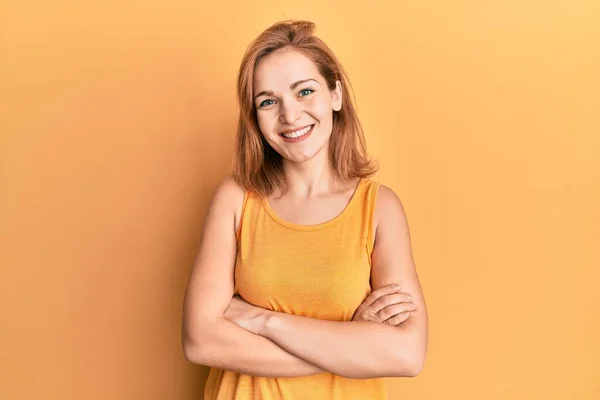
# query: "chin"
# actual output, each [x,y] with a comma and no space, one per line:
[297,158]
[302,156]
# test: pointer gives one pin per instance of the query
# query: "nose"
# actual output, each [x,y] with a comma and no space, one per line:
[289,112]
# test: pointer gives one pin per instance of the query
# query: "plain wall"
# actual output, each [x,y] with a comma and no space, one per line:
[117,121]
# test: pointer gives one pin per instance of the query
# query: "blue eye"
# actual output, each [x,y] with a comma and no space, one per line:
[306,92]
[266,103]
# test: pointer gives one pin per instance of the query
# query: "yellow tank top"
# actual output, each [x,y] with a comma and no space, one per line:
[318,271]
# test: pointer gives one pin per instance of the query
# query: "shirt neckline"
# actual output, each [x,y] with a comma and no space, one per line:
[313,227]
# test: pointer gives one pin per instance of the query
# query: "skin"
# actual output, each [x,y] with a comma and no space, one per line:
[308,103]
[388,334]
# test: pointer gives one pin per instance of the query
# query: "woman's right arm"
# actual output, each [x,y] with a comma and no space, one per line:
[208,337]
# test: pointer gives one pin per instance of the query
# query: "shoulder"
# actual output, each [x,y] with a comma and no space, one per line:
[229,191]
[388,207]
[386,197]
[229,198]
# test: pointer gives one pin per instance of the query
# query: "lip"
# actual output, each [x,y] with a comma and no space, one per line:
[298,139]
[295,129]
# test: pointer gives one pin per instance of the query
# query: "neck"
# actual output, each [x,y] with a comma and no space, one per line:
[311,177]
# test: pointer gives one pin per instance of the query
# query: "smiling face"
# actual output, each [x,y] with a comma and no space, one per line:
[294,106]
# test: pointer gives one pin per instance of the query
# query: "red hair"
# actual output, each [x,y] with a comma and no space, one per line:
[257,166]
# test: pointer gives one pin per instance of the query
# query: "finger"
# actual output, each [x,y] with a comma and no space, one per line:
[390,299]
[382,291]
[386,307]
[395,309]
[398,319]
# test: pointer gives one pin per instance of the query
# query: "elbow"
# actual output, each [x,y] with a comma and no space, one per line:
[199,344]
[406,369]
[402,366]
[191,354]
[415,365]
[410,365]
[411,359]
[414,368]
[193,350]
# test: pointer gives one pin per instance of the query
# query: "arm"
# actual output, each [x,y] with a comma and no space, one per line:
[208,337]
[364,349]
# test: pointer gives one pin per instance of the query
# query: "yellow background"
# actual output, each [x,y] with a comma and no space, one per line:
[118,120]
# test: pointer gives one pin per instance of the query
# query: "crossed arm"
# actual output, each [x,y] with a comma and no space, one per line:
[236,336]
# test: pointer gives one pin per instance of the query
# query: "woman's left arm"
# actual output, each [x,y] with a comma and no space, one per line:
[360,349]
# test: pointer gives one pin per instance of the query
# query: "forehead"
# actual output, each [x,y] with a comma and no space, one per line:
[279,70]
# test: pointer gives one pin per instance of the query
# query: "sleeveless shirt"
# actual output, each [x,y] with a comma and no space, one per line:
[319,271]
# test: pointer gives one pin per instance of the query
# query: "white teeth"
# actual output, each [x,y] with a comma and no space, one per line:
[297,134]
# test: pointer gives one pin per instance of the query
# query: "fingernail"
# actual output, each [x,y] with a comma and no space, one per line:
[396,287]
[409,297]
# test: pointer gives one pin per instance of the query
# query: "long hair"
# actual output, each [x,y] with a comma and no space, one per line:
[256,165]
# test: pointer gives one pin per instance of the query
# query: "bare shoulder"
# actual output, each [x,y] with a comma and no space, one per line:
[229,189]
[229,197]
[388,207]
[387,197]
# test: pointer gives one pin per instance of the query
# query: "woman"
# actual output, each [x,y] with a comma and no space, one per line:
[304,286]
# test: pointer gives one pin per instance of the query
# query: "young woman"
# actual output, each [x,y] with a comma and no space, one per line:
[304,286]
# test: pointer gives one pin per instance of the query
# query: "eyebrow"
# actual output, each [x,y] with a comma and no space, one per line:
[292,87]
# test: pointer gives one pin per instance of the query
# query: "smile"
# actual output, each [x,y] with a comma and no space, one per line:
[298,133]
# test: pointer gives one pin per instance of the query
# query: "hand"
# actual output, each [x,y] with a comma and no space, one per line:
[386,304]
[246,315]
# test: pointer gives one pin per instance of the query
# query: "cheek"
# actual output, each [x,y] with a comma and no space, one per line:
[321,109]
[265,122]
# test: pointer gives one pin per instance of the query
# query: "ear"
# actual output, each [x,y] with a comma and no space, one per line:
[336,96]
